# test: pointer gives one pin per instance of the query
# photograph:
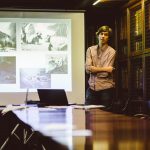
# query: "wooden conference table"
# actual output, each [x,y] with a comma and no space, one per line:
[88,129]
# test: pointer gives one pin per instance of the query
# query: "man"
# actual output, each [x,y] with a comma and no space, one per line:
[99,64]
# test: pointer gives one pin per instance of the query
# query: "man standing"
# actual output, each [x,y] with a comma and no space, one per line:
[99,64]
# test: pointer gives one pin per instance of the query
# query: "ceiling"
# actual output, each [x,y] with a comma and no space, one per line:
[60,4]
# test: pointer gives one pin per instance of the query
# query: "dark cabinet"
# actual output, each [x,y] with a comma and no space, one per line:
[134,55]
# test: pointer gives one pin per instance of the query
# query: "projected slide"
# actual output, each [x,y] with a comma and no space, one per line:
[35,53]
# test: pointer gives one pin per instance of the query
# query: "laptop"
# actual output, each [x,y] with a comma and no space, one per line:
[52,97]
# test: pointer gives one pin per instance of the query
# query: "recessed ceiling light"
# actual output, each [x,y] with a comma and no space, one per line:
[96,2]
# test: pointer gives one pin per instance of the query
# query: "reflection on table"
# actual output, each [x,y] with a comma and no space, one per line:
[88,129]
[63,123]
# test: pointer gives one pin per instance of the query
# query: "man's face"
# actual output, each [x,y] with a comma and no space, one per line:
[103,37]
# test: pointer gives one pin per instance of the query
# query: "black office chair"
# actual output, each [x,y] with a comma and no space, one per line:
[53,97]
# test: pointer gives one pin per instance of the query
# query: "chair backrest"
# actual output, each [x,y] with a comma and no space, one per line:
[54,97]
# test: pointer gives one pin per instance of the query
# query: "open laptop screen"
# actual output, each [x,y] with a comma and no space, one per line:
[55,97]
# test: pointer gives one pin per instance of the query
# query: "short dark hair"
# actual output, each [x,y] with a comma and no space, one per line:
[104,29]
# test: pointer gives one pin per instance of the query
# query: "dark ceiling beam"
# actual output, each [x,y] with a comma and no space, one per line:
[61,4]
[85,3]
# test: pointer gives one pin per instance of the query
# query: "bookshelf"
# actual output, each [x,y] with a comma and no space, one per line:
[147,24]
[136,46]
[123,49]
[134,70]
[122,82]
[136,79]
[147,77]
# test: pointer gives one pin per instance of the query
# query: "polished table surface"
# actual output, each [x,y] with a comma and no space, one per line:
[89,129]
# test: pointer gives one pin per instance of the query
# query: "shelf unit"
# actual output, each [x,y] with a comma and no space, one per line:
[134,67]
[136,46]
[122,84]
[147,24]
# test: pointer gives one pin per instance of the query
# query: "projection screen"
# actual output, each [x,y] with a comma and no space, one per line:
[41,49]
